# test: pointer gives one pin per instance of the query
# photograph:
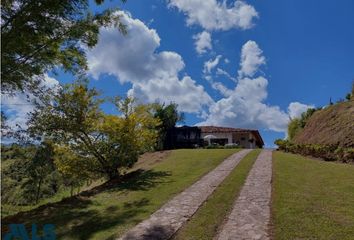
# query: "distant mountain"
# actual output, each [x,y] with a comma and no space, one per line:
[331,125]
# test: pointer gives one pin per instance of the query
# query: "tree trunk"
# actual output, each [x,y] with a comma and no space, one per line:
[112,174]
[38,190]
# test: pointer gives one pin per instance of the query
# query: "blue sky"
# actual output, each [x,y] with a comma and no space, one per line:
[280,57]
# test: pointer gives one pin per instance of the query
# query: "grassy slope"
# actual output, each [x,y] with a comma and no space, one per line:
[330,125]
[112,210]
[312,199]
[146,161]
[204,224]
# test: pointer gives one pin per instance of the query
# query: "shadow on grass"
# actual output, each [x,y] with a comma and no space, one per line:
[139,180]
[156,232]
[79,217]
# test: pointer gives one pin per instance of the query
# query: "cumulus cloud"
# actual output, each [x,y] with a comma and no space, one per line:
[215,15]
[185,92]
[251,59]
[210,64]
[134,58]
[202,42]
[245,106]
[295,109]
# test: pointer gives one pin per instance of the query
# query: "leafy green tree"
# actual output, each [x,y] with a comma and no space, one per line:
[294,127]
[169,116]
[41,167]
[29,174]
[305,116]
[348,96]
[38,35]
[100,144]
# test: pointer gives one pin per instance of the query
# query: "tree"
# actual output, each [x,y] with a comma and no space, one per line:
[100,144]
[297,124]
[38,35]
[41,167]
[169,116]
[350,96]
[29,173]
[294,127]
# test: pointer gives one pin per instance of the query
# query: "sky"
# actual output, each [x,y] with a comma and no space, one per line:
[248,64]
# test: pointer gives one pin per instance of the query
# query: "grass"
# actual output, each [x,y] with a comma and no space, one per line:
[146,161]
[108,211]
[312,199]
[205,222]
[8,209]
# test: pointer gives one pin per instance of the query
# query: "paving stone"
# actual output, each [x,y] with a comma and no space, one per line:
[184,205]
[250,216]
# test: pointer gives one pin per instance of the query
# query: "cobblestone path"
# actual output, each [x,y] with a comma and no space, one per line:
[170,217]
[250,216]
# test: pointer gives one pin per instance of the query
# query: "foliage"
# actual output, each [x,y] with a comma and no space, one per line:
[350,96]
[42,168]
[294,128]
[326,152]
[169,116]
[297,124]
[38,35]
[115,207]
[28,174]
[100,144]
[218,146]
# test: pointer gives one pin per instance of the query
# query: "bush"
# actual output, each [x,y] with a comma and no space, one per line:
[214,146]
[326,152]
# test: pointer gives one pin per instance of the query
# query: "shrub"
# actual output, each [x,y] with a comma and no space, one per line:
[327,152]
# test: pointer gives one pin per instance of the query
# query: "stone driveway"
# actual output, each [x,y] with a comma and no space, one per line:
[170,217]
[250,216]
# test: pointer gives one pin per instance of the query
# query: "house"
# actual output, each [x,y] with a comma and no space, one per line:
[245,138]
[190,137]
[183,137]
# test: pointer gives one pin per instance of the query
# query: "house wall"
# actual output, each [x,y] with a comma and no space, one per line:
[219,135]
[242,139]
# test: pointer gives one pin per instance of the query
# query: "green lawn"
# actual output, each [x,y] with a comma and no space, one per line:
[204,224]
[312,199]
[111,210]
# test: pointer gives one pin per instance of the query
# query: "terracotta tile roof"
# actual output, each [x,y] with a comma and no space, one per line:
[214,129]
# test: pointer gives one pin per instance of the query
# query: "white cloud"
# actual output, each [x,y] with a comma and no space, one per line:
[251,59]
[134,58]
[295,109]
[221,88]
[18,106]
[220,71]
[210,64]
[185,92]
[202,42]
[245,106]
[214,15]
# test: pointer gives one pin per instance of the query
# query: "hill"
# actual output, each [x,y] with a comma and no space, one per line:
[331,125]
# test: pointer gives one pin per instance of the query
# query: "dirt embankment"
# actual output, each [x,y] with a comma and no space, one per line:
[331,125]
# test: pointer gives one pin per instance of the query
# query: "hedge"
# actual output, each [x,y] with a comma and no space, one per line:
[326,152]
